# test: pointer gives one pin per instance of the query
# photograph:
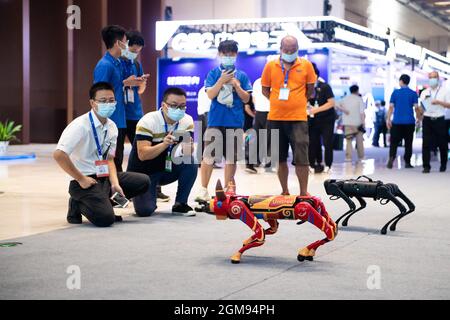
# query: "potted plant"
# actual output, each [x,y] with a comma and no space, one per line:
[8,131]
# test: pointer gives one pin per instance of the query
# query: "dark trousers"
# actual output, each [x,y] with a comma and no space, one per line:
[259,124]
[398,133]
[185,174]
[94,203]
[447,121]
[434,130]
[379,129]
[118,159]
[204,120]
[321,130]
[131,130]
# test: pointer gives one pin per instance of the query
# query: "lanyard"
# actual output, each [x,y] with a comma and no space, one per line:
[97,142]
[437,92]
[286,75]
[166,128]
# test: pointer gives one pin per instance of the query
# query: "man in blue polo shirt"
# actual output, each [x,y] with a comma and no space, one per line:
[229,89]
[403,103]
[109,70]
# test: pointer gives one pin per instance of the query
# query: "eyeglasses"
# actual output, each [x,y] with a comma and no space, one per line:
[112,100]
[175,106]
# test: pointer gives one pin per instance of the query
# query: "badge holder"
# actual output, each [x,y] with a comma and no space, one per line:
[168,166]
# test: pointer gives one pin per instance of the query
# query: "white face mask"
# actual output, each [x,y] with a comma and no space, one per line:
[130,55]
[124,51]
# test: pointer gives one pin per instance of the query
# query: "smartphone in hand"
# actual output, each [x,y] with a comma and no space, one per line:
[120,200]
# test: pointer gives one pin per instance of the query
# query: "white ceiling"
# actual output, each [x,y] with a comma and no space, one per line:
[403,21]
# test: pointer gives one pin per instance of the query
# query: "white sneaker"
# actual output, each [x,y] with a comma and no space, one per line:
[203,195]
[312,170]
[327,170]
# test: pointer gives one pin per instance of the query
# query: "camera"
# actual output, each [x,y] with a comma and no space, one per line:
[362,129]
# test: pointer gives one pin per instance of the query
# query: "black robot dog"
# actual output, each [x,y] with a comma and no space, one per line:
[358,188]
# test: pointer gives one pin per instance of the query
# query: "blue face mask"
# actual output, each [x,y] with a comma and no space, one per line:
[289,58]
[175,114]
[228,62]
[105,110]
[434,82]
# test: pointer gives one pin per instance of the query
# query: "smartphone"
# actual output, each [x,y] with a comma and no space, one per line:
[120,200]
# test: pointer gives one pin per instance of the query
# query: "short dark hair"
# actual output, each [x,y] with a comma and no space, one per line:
[173,90]
[135,38]
[228,46]
[383,103]
[316,70]
[405,79]
[99,86]
[111,34]
[354,88]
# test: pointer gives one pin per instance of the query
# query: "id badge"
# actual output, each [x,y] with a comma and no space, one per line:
[130,95]
[168,166]
[101,168]
[284,94]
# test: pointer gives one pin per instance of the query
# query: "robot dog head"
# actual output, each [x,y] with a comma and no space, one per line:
[220,203]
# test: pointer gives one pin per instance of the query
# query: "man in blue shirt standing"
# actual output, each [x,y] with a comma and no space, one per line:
[402,126]
[132,67]
[229,89]
[109,70]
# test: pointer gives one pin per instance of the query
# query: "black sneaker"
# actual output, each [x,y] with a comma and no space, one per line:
[408,165]
[74,215]
[426,170]
[390,163]
[251,169]
[182,209]
[319,168]
[442,169]
[268,165]
[161,197]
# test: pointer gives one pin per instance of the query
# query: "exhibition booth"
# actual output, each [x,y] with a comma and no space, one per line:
[344,52]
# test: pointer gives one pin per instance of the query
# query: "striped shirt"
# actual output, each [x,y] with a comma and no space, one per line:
[152,128]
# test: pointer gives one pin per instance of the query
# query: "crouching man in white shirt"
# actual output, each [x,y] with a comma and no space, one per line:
[86,151]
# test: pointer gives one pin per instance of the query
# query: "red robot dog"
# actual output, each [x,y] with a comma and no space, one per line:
[270,208]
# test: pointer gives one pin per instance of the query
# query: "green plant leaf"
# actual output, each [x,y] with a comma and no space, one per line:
[8,130]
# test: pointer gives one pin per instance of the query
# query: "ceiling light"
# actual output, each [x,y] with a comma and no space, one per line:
[442,3]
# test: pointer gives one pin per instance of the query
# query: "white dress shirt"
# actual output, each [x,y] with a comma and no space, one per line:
[262,104]
[434,110]
[203,102]
[78,141]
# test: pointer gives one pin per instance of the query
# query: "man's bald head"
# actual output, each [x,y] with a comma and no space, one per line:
[433,74]
[289,44]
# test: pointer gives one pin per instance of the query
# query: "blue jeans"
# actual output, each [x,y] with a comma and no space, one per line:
[185,174]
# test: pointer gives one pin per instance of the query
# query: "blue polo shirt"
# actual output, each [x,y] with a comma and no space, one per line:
[220,115]
[109,69]
[133,111]
[404,100]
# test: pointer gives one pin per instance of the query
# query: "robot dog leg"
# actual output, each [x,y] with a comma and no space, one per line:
[306,212]
[240,211]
